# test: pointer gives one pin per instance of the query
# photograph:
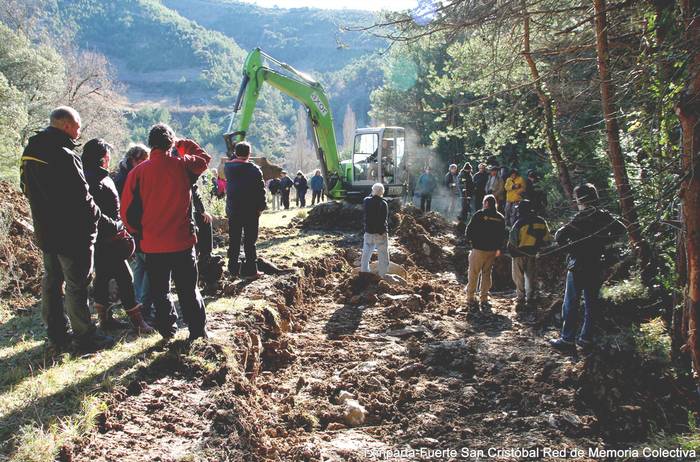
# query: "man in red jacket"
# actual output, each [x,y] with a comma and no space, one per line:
[157,205]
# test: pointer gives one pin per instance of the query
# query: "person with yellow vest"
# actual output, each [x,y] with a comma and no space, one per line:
[529,235]
[515,187]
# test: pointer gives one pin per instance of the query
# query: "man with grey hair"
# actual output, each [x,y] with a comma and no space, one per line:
[65,228]
[376,225]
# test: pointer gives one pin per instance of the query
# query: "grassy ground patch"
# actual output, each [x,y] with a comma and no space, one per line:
[48,400]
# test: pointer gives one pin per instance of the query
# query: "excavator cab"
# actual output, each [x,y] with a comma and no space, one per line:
[378,156]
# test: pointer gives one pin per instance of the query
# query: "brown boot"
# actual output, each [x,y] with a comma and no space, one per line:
[106,321]
[139,325]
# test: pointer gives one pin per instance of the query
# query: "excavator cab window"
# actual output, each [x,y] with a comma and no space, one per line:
[393,161]
[365,158]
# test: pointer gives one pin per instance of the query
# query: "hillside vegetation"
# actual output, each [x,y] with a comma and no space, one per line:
[314,39]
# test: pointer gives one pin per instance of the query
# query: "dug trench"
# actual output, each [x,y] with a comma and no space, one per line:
[323,363]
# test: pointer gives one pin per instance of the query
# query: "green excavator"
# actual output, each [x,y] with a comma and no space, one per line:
[378,153]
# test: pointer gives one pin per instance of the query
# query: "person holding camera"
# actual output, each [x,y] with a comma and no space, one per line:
[157,204]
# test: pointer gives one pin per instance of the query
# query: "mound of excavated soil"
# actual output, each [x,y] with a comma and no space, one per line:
[343,216]
[433,222]
[20,258]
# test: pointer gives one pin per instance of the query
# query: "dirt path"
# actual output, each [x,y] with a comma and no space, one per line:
[326,365]
[481,381]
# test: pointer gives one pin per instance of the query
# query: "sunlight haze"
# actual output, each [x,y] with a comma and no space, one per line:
[339,4]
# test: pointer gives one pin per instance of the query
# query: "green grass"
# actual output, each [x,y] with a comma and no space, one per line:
[47,401]
[653,341]
[628,290]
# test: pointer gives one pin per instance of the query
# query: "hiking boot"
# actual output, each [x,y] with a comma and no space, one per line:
[562,345]
[137,321]
[485,306]
[169,332]
[106,321]
[59,344]
[520,304]
[93,341]
[473,305]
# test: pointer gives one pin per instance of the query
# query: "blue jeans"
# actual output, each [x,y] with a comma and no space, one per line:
[141,285]
[381,243]
[578,283]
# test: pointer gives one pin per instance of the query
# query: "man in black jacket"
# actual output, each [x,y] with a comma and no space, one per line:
[286,184]
[245,201]
[585,238]
[466,186]
[480,179]
[376,215]
[65,227]
[486,233]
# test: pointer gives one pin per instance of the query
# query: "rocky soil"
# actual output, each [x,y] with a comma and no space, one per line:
[315,362]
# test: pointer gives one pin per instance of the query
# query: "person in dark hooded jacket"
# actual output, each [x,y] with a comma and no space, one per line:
[301,185]
[584,238]
[245,201]
[110,261]
[65,228]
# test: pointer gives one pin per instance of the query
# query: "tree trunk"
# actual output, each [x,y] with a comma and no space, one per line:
[546,102]
[617,161]
[688,111]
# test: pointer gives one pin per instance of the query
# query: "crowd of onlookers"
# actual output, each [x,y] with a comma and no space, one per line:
[145,226]
[503,213]
[279,189]
[459,192]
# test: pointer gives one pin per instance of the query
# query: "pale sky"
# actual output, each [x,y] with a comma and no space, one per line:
[340,4]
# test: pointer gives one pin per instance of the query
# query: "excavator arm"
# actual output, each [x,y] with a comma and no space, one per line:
[303,89]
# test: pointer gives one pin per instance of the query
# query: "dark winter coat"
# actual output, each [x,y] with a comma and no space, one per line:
[466,183]
[275,186]
[376,215]
[64,213]
[451,182]
[120,176]
[586,236]
[106,197]
[301,185]
[487,230]
[286,184]
[245,189]
[480,180]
